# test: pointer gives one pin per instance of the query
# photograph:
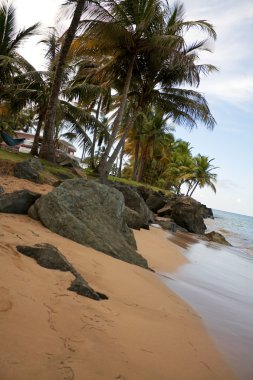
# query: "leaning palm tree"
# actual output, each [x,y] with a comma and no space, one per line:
[141,37]
[203,173]
[70,115]
[47,148]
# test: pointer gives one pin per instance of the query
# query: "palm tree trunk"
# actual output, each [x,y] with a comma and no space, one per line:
[103,165]
[108,164]
[92,151]
[136,160]
[194,188]
[121,159]
[179,187]
[142,163]
[189,188]
[48,149]
[35,146]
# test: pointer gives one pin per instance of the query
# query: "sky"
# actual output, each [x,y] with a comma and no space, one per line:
[229,93]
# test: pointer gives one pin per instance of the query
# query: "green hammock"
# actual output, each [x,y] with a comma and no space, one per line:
[9,140]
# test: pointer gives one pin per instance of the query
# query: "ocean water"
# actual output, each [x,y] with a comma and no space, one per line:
[217,282]
[236,228]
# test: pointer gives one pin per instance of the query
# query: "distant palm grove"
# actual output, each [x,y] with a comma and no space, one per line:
[118,82]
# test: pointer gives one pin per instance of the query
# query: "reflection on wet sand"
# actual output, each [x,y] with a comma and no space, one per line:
[217,282]
[183,239]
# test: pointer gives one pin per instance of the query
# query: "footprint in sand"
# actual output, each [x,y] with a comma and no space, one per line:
[68,373]
[5,303]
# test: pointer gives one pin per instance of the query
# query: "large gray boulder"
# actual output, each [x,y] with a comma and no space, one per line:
[188,213]
[91,214]
[142,216]
[17,202]
[29,169]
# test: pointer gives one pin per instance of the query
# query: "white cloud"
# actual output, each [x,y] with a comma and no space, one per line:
[237,90]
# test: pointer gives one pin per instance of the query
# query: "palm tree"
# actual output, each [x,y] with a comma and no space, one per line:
[47,148]
[12,64]
[202,174]
[120,32]
[11,61]
[153,135]
[178,166]
[144,40]
[74,117]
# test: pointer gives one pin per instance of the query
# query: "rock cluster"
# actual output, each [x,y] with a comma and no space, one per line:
[186,212]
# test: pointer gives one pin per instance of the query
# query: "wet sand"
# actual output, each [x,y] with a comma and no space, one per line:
[217,282]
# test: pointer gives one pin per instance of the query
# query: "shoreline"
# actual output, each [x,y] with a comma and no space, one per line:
[216,282]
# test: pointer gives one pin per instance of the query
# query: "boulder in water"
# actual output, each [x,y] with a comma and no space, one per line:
[217,238]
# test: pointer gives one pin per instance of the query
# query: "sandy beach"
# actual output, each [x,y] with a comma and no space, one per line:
[143,331]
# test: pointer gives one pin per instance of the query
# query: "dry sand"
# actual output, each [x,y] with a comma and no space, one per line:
[143,332]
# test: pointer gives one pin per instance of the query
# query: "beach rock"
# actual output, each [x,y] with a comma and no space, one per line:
[143,192]
[207,212]
[134,202]
[48,256]
[17,202]
[165,223]
[166,210]
[91,214]
[29,169]
[81,287]
[155,201]
[217,238]
[133,219]
[187,213]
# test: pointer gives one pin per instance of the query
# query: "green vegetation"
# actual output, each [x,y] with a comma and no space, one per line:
[57,170]
[11,156]
[130,182]
[115,84]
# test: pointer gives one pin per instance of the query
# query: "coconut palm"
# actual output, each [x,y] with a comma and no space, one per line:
[144,40]
[10,41]
[152,134]
[36,87]
[118,31]
[47,148]
[203,173]
[12,64]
